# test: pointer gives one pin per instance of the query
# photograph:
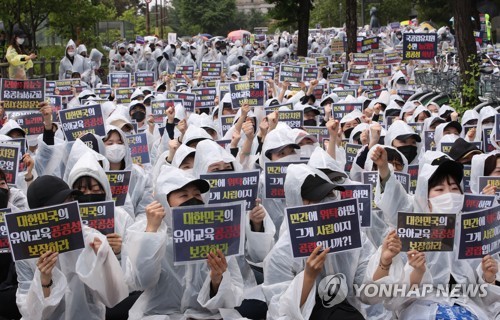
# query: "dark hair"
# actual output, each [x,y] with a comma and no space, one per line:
[437,179]
[86,181]
[19,48]
[490,164]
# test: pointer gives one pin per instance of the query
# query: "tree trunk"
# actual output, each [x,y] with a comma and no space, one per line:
[303,27]
[463,10]
[351,21]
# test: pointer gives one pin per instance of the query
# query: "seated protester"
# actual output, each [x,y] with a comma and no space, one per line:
[278,146]
[12,129]
[178,155]
[310,113]
[194,135]
[380,105]
[72,285]
[391,113]
[349,122]
[486,120]
[462,151]
[448,113]
[243,115]
[450,130]
[469,119]
[191,291]
[89,178]
[419,115]
[488,165]
[407,111]
[433,108]
[259,228]
[290,284]
[307,142]
[14,199]
[137,112]
[438,191]
[226,106]
[402,137]
[117,153]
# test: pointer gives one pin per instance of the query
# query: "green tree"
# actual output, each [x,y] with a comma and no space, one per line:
[204,16]
[351,26]
[295,14]
[138,20]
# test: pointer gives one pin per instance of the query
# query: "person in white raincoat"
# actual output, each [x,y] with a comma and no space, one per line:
[118,155]
[438,190]
[290,284]
[71,62]
[77,284]
[484,165]
[176,292]
[401,136]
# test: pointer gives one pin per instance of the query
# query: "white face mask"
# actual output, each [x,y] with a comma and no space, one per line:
[307,150]
[447,203]
[71,53]
[116,152]
[408,119]
[20,41]
[290,158]
[189,171]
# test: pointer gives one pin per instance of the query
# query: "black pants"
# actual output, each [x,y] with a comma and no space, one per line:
[120,311]
[8,306]
[342,311]
[253,309]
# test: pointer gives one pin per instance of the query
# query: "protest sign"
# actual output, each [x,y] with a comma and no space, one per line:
[489,181]
[362,192]
[122,95]
[429,143]
[9,162]
[360,59]
[382,70]
[226,123]
[342,94]
[369,44]
[259,63]
[426,231]
[446,147]
[497,126]
[119,181]
[474,202]
[211,70]
[356,73]
[22,95]
[293,118]
[77,121]
[351,151]
[139,150]
[310,73]
[182,71]
[145,79]
[339,110]
[466,178]
[159,109]
[318,91]
[371,84]
[205,97]
[419,46]
[487,145]
[333,225]
[56,228]
[413,172]
[322,61]
[189,99]
[50,87]
[199,230]
[291,73]
[31,123]
[119,80]
[103,92]
[393,58]
[4,235]
[263,73]
[233,186]
[405,94]
[99,216]
[479,233]
[251,92]
[274,175]
[65,87]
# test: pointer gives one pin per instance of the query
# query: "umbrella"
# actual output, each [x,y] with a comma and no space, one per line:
[427,25]
[237,35]
[206,35]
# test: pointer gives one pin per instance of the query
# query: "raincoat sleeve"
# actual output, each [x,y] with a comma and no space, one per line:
[141,189]
[101,272]
[29,296]
[14,59]
[492,298]
[230,293]
[392,199]
[50,157]
[259,244]
[142,255]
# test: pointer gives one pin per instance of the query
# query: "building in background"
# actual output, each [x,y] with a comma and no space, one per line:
[248,5]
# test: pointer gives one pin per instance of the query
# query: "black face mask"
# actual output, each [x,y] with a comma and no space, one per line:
[410,152]
[4,198]
[348,132]
[191,202]
[139,116]
[310,122]
[86,198]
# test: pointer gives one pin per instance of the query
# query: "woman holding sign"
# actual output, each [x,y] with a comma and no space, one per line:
[438,191]
[194,290]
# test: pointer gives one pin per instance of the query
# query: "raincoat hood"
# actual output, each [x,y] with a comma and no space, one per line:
[477,170]
[209,152]
[87,165]
[295,177]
